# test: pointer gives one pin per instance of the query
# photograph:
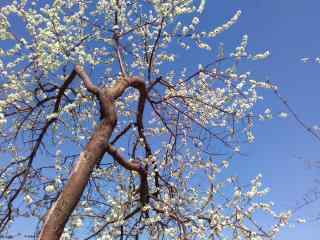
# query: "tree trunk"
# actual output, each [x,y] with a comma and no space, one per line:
[68,199]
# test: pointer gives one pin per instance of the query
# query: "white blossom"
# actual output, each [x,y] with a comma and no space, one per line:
[301,221]
[261,56]
[50,188]
[283,115]
[28,199]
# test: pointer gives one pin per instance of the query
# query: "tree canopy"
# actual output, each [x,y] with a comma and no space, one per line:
[106,134]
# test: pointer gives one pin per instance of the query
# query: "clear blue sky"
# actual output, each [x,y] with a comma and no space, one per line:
[290,30]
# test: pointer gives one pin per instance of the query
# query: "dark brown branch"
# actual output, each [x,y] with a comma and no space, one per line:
[133,166]
[155,45]
[86,80]
[134,212]
[33,153]
[294,114]
[123,132]
[141,87]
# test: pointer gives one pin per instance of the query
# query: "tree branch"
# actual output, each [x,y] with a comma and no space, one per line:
[86,80]
[133,166]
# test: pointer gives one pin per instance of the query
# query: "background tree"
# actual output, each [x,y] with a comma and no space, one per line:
[105,135]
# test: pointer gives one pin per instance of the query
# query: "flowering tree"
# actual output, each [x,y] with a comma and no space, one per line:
[104,136]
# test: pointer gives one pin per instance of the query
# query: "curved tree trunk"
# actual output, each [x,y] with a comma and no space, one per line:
[93,152]
[61,210]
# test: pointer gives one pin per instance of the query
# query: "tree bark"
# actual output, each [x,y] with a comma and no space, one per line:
[92,154]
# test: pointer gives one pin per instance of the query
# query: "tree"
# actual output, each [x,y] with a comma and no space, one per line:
[101,128]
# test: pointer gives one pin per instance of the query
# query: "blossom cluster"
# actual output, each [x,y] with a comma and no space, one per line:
[190,113]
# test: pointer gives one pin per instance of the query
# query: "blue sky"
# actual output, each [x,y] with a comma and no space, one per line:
[289,29]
